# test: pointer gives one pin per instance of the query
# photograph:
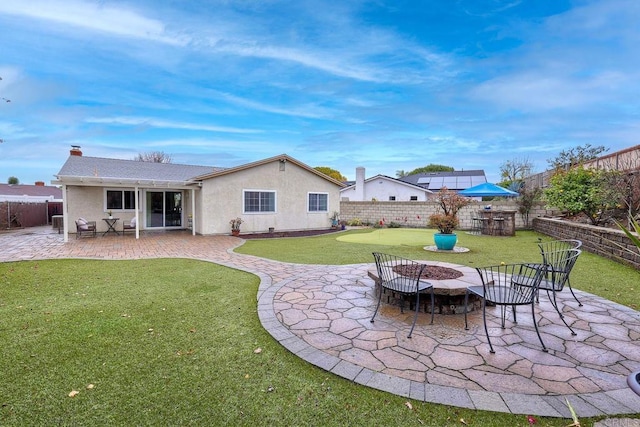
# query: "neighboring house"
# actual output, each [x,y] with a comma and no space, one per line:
[456,180]
[279,193]
[382,188]
[30,193]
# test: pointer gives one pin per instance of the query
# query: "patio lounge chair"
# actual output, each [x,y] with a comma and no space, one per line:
[499,288]
[85,227]
[402,276]
[129,226]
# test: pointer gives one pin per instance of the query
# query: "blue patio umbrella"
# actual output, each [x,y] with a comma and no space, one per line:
[487,189]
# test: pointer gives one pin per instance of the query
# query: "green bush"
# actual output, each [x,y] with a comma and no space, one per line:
[355,222]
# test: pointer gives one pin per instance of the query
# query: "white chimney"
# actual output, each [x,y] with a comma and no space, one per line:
[359,184]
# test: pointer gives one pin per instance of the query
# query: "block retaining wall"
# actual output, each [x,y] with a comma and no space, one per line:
[416,214]
[602,241]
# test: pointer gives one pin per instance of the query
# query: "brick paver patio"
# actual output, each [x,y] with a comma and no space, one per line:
[321,313]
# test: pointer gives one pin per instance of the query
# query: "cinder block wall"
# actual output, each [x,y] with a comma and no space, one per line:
[416,214]
[605,242]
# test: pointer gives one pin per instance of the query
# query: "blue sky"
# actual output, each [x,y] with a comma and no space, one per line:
[389,84]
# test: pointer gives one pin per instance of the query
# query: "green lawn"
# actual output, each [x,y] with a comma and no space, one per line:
[174,342]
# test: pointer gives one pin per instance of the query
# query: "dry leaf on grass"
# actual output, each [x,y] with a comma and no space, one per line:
[73,393]
[257,350]
[408,405]
[90,386]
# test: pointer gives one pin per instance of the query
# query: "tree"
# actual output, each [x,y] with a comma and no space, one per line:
[331,172]
[526,201]
[576,156]
[430,168]
[153,157]
[593,192]
[513,172]
[13,180]
[401,173]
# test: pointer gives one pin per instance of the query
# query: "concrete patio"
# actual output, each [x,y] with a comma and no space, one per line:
[321,313]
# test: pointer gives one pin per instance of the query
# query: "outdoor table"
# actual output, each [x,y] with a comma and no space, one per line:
[498,222]
[111,222]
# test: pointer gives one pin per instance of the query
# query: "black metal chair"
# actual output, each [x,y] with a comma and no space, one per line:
[402,276]
[499,288]
[634,382]
[476,223]
[559,246]
[556,270]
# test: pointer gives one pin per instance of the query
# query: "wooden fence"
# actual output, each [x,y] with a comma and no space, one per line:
[27,214]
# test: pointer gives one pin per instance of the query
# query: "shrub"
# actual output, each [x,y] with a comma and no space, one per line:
[355,222]
[444,223]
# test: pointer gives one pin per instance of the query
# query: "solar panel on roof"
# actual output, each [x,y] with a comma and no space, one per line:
[476,180]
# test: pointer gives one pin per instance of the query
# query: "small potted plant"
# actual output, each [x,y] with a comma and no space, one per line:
[444,223]
[235,226]
[335,219]
[110,214]
[450,202]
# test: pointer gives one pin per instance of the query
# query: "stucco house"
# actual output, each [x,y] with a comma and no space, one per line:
[279,193]
[382,188]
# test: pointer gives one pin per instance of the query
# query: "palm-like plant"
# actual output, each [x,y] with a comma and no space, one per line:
[636,227]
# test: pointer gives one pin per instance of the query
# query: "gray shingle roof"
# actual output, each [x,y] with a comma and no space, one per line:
[30,190]
[98,167]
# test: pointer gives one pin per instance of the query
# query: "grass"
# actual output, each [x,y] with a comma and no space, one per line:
[173,342]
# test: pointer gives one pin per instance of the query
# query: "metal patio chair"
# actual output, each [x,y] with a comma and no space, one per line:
[556,270]
[559,246]
[402,276]
[499,288]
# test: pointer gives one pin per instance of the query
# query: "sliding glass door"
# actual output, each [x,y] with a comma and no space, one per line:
[164,209]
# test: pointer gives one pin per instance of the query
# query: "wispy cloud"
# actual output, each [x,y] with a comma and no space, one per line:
[94,16]
[167,124]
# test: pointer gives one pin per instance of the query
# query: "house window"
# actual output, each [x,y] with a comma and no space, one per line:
[318,202]
[414,198]
[392,198]
[259,201]
[120,200]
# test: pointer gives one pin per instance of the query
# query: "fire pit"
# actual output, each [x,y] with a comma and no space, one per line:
[449,282]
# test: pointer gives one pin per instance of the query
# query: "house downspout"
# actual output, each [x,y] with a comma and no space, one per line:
[136,201]
[193,212]
[65,214]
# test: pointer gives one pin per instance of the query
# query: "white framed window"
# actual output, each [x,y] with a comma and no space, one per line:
[121,200]
[392,198]
[413,198]
[257,201]
[318,202]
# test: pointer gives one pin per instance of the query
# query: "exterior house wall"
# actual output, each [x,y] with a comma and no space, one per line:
[222,199]
[88,203]
[381,189]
